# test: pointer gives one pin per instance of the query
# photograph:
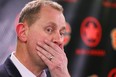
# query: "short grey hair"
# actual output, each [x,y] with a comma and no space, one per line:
[30,11]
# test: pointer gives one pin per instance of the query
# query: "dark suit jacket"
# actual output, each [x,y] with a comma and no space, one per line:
[8,69]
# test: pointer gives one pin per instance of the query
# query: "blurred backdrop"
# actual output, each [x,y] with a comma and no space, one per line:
[90,43]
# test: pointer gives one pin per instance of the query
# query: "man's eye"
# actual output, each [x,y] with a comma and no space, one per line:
[49,30]
[63,34]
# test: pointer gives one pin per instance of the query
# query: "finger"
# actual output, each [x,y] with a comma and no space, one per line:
[46,52]
[43,51]
[55,47]
[52,64]
[47,48]
[45,59]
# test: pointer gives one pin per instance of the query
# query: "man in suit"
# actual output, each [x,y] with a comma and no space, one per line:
[40,35]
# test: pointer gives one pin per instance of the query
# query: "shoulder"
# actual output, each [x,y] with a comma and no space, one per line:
[3,72]
[2,68]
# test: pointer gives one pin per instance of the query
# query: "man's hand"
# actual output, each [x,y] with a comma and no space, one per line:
[54,57]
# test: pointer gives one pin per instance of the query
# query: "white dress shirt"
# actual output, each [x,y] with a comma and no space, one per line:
[22,69]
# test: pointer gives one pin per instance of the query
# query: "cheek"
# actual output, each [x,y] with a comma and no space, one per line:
[31,42]
[36,37]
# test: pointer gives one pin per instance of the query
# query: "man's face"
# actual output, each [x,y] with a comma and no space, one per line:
[50,26]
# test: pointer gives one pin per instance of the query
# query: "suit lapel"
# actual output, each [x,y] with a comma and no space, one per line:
[11,69]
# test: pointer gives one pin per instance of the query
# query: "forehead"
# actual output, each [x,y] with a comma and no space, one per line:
[50,15]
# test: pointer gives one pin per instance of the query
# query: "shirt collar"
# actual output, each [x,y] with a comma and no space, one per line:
[22,69]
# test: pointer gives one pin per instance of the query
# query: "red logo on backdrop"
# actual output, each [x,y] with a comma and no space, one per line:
[109,3]
[112,73]
[91,31]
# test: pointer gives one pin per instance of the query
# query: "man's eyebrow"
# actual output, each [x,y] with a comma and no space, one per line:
[55,25]
[63,28]
[52,24]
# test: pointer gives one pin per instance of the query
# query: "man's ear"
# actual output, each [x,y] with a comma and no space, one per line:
[22,30]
